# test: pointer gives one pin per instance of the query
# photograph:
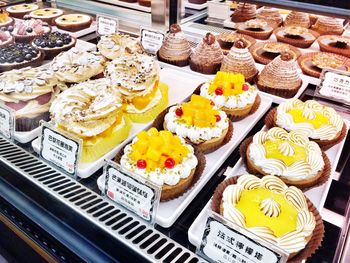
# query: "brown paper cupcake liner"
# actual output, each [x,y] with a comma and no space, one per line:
[323,178]
[33,63]
[179,63]
[284,93]
[28,124]
[317,234]
[158,123]
[262,35]
[270,118]
[205,68]
[174,193]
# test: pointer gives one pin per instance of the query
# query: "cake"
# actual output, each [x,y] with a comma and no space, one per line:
[54,43]
[29,92]
[197,2]
[258,29]
[227,40]
[295,18]
[165,159]
[19,55]
[76,65]
[244,12]
[296,35]
[328,26]
[146,3]
[200,123]
[320,123]
[280,77]
[239,60]
[206,58]
[271,210]
[26,30]
[231,94]
[5,39]
[116,45]
[265,52]
[176,49]
[288,155]
[270,15]
[19,11]
[73,22]
[47,15]
[5,19]
[136,77]
[335,44]
[92,111]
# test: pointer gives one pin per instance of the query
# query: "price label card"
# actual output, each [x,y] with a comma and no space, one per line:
[7,122]
[335,86]
[151,40]
[226,242]
[60,148]
[131,191]
[106,25]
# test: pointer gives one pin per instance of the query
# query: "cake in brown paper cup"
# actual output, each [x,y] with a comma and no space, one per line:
[304,185]
[270,121]
[205,147]
[205,68]
[317,234]
[258,29]
[28,124]
[236,115]
[171,192]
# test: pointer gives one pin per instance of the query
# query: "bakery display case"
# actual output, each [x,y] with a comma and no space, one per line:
[131,131]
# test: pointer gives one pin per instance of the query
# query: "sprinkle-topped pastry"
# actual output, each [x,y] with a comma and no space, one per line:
[232,94]
[199,122]
[46,14]
[295,18]
[5,19]
[164,158]
[93,111]
[73,22]
[207,56]
[30,92]
[76,65]
[280,77]
[20,10]
[335,44]
[244,12]
[116,45]
[268,208]
[256,28]
[296,35]
[328,25]
[26,30]
[239,60]
[176,49]
[136,76]
[19,55]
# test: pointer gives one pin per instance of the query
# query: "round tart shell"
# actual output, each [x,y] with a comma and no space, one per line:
[33,63]
[315,239]
[227,45]
[297,42]
[262,35]
[28,39]
[270,121]
[171,192]
[258,48]
[331,48]
[73,28]
[50,53]
[239,113]
[19,15]
[321,177]
[205,147]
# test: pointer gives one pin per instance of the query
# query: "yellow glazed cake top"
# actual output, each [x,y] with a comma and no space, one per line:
[317,121]
[157,149]
[228,84]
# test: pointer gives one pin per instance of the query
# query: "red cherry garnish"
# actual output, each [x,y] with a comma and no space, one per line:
[218,118]
[169,163]
[245,87]
[219,91]
[141,164]
[179,112]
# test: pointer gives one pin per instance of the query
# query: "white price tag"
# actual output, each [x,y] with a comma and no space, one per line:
[7,121]
[60,149]
[131,191]
[335,85]
[151,40]
[106,25]
[225,242]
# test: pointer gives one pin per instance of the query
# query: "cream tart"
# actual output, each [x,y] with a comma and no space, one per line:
[26,30]
[335,44]
[47,15]
[73,22]
[256,28]
[165,159]
[296,35]
[19,11]
[288,155]
[276,213]
[199,123]
[320,123]
[231,94]
[5,19]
